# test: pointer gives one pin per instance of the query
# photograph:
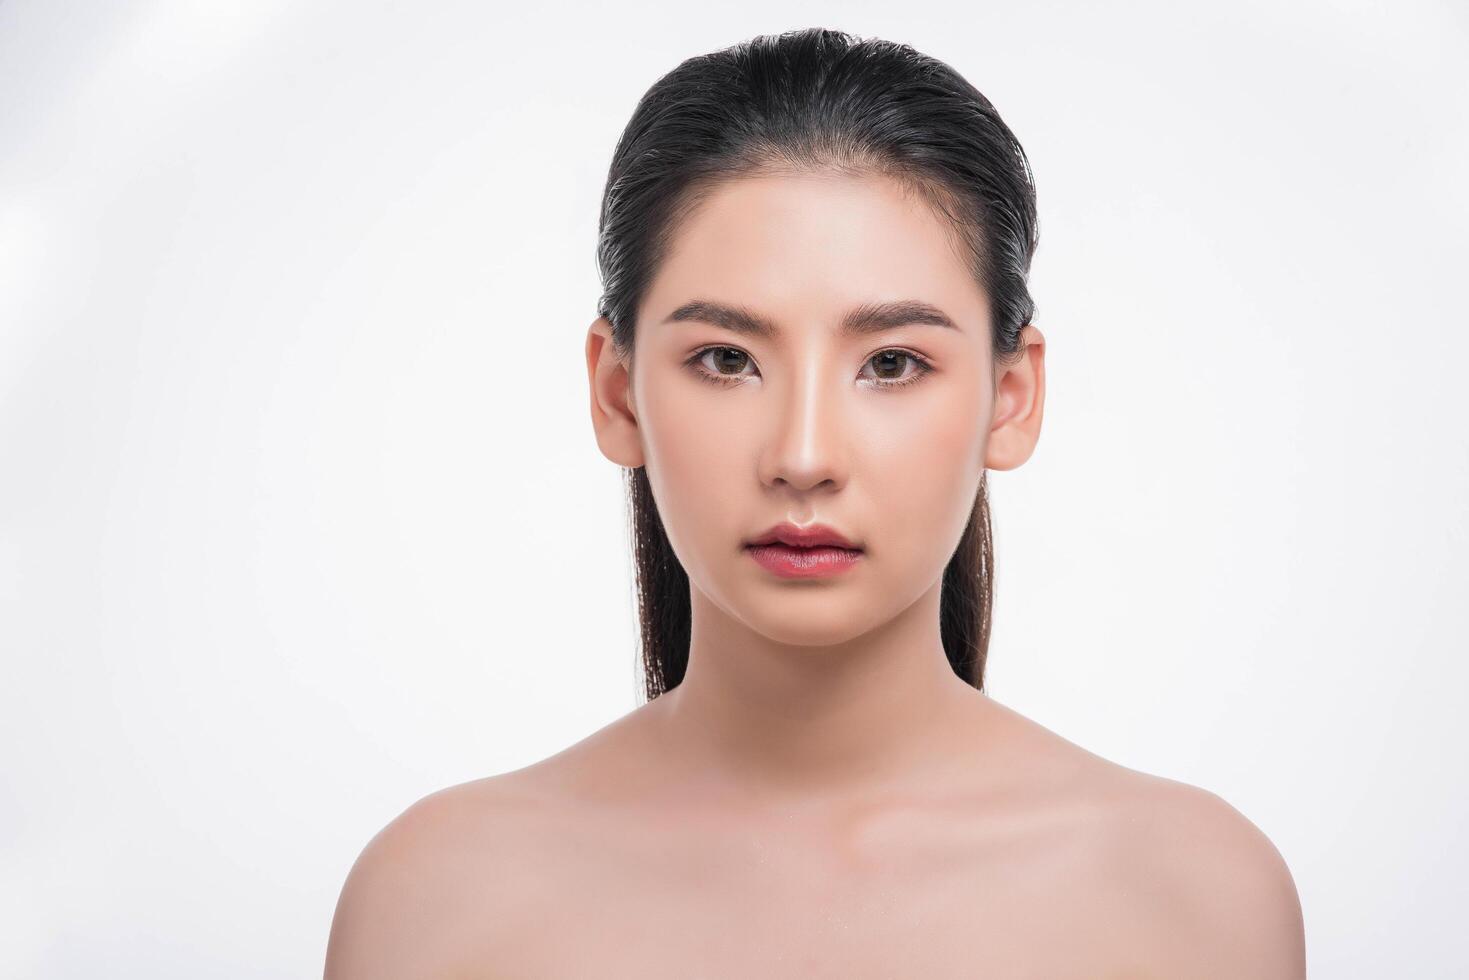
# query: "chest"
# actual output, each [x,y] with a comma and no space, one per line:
[760,907]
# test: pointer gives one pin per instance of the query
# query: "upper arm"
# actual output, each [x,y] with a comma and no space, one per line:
[396,905]
[1230,906]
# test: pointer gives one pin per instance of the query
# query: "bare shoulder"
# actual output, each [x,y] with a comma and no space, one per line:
[424,889]
[1175,873]
[1224,897]
[467,872]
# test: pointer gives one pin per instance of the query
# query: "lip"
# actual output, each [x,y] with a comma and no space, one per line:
[816,551]
[811,536]
[787,561]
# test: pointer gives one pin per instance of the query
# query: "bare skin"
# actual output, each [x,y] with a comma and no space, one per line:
[821,796]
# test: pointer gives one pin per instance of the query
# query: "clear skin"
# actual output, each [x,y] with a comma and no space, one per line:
[821,795]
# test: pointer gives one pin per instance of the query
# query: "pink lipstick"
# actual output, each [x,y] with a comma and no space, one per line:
[815,551]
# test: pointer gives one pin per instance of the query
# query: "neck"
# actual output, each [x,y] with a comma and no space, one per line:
[785,721]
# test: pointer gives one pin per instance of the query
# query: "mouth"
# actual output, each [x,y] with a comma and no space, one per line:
[816,551]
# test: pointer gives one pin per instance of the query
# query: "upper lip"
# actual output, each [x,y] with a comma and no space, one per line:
[810,536]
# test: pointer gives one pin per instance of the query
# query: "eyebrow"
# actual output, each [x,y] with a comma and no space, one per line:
[868,318]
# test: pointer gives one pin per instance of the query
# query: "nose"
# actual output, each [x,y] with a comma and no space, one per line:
[807,446]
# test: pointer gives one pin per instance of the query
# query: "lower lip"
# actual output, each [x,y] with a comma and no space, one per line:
[789,562]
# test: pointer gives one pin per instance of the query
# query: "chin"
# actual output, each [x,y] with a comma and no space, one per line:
[802,616]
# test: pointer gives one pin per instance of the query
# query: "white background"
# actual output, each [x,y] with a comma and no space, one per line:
[301,516]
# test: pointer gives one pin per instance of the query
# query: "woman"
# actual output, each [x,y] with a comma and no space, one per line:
[814,342]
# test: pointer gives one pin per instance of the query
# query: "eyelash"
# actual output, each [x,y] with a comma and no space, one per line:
[725,380]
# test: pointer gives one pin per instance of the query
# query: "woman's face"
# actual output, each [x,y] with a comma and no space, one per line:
[880,432]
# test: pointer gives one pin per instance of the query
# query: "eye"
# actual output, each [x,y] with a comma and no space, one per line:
[896,360]
[729,362]
[724,357]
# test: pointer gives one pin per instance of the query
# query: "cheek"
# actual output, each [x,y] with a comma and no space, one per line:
[697,464]
[691,437]
[925,472]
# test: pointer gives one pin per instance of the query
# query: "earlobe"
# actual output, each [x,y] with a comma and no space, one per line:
[1019,404]
[614,418]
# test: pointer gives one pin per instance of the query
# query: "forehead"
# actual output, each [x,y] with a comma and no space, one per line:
[813,246]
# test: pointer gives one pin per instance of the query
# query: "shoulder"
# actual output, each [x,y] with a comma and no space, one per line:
[409,903]
[1178,876]
[1218,897]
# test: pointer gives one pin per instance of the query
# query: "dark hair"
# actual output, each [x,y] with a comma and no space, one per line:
[815,100]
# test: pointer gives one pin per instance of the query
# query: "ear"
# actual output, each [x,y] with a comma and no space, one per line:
[613,415]
[1020,395]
